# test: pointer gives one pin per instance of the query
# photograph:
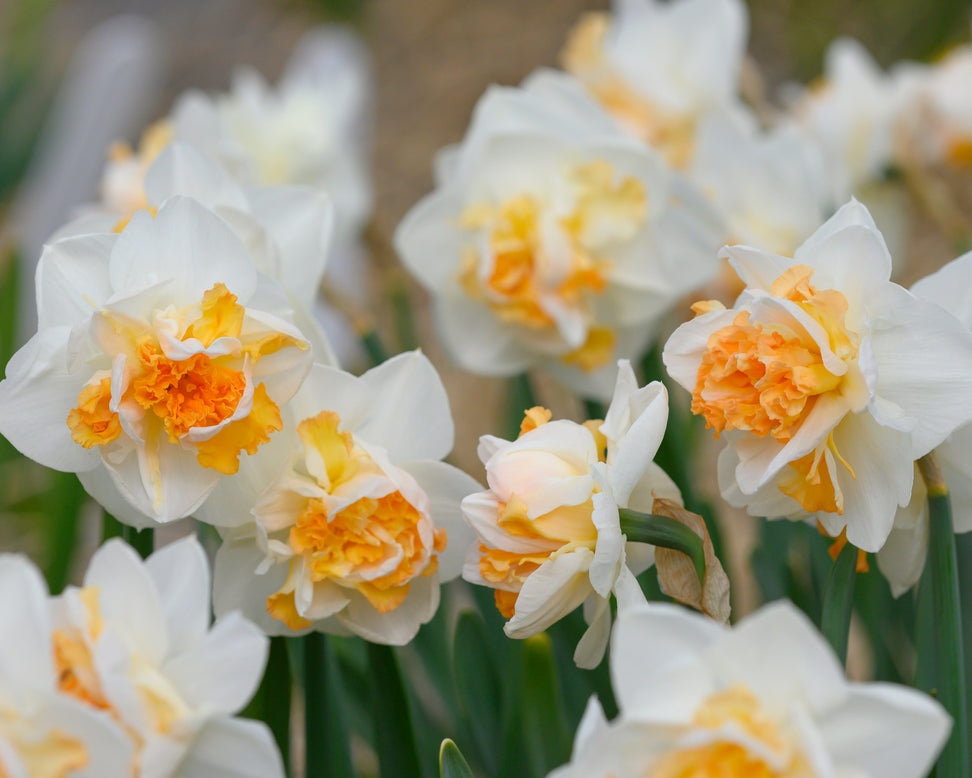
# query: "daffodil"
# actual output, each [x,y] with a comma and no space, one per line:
[767,698]
[135,644]
[351,524]
[827,380]
[162,355]
[44,733]
[548,527]
[552,240]
[660,68]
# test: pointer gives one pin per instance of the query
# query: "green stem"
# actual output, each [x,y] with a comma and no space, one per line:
[665,532]
[838,601]
[394,733]
[949,660]
[521,399]
[373,346]
[271,703]
[325,732]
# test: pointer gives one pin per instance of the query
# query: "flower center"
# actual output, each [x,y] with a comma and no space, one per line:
[541,270]
[199,392]
[763,378]
[378,544]
[738,711]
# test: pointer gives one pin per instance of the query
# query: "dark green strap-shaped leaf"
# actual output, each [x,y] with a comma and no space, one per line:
[394,733]
[271,703]
[326,739]
[63,516]
[547,742]
[665,532]
[948,661]
[838,601]
[520,399]
[478,685]
[452,764]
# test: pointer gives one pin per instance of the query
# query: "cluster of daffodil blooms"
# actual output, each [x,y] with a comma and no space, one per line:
[632,225]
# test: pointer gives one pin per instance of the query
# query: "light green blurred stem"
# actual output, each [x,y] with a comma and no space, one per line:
[948,660]
[665,532]
[838,602]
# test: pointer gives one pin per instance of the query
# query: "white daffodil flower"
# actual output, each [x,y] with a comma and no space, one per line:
[851,114]
[44,733]
[828,380]
[548,527]
[308,130]
[135,642]
[660,68]
[552,240]
[766,697]
[903,557]
[769,187]
[350,525]
[162,354]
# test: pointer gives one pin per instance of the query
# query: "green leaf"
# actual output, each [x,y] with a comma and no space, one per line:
[665,532]
[9,286]
[520,399]
[325,732]
[547,742]
[948,660]
[375,349]
[478,684]
[271,703]
[394,733]
[452,764]
[838,601]
[63,516]
[142,540]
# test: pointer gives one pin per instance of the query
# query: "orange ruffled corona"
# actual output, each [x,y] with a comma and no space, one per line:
[349,546]
[765,378]
[200,391]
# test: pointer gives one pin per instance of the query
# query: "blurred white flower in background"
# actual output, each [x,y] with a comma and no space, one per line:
[350,524]
[552,240]
[660,68]
[766,697]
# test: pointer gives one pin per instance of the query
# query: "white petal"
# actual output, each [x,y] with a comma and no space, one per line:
[233,748]
[683,351]
[951,288]
[72,279]
[756,269]
[779,655]
[609,549]
[221,672]
[851,214]
[180,571]
[638,445]
[398,626]
[26,663]
[551,592]
[128,599]
[902,558]
[884,729]
[186,243]
[35,399]
[657,668]
[236,586]
[183,169]
[429,240]
[590,648]
[411,417]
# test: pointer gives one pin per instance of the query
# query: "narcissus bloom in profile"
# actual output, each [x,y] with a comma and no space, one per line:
[548,527]
[44,733]
[660,68]
[827,380]
[162,354]
[766,698]
[903,557]
[552,240]
[135,644]
[350,525]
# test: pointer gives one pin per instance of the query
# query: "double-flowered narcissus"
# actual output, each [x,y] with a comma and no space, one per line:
[765,699]
[554,241]
[827,380]
[162,355]
[348,525]
[548,527]
[125,676]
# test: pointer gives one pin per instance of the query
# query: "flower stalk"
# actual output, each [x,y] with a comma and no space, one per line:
[665,532]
